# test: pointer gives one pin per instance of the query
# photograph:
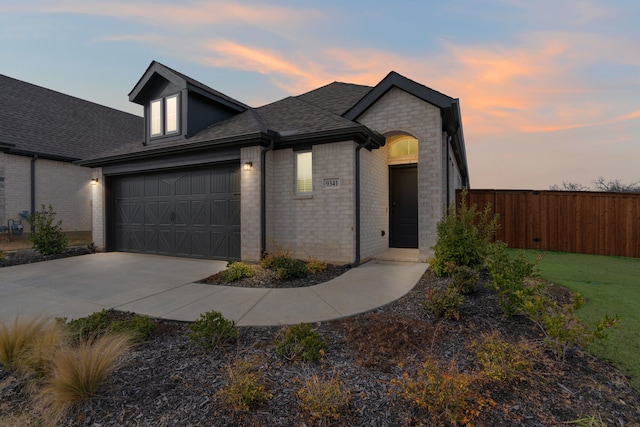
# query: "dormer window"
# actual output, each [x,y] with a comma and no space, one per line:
[164,116]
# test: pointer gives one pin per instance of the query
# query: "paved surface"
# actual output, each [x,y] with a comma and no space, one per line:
[165,287]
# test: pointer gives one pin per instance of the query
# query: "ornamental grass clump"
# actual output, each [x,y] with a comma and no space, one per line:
[77,371]
[16,339]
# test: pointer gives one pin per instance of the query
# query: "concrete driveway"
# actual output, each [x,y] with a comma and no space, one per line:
[165,287]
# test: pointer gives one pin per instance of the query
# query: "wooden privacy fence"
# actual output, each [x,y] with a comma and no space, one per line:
[567,221]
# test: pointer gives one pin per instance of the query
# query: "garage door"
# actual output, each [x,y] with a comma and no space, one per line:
[191,213]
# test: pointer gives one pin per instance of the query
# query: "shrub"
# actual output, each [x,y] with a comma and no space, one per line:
[244,391]
[15,340]
[502,360]
[464,236]
[47,236]
[101,322]
[314,266]
[444,303]
[284,266]
[300,342]
[443,394]
[465,279]
[561,326]
[236,271]
[77,372]
[508,275]
[322,399]
[211,330]
[41,350]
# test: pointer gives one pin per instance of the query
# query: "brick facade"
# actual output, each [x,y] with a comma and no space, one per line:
[400,112]
[63,185]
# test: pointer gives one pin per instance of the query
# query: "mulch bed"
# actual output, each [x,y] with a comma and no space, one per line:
[169,382]
[29,256]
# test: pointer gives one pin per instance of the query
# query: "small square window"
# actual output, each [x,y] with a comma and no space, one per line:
[304,172]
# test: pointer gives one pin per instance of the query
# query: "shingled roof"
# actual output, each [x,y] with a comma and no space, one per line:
[39,121]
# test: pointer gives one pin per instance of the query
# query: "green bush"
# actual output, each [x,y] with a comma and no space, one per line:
[464,236]
[236,271]
[47,236]
[314,266]
[285,267]
[300,342]
[465,279]
[212,329]
[138,327]
[508,275]
[444,303]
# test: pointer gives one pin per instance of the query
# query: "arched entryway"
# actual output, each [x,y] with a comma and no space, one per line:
[402,158]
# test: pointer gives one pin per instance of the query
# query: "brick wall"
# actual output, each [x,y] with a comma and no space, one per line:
[99,212]
[250,202]
[320,224]
[400,112]
[374,202]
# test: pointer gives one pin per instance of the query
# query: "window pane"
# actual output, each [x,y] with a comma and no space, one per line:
[403,145]
[304,171]
[156,118]
[172,114]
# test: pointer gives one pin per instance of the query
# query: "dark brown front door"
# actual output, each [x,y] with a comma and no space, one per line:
[403,201]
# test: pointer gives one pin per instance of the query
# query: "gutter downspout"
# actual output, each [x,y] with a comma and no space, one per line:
[263,197]
[365,144]
[33,187]
[449,138]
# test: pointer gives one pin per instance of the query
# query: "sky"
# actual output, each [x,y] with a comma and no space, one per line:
[549,90]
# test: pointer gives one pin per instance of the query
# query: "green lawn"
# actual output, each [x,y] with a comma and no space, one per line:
[609,285]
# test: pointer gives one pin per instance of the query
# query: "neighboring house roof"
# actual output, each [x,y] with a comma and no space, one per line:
[39,121]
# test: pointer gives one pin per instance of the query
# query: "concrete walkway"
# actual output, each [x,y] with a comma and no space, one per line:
[165,287]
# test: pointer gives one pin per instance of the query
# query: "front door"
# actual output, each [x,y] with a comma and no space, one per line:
[403,201]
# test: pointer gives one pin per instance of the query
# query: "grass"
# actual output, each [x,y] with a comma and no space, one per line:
[16,338]
[609,285]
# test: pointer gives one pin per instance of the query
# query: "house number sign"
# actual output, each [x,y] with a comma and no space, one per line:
[331,183]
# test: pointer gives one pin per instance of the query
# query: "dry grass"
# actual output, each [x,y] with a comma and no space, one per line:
[78,371]
[16,338]
[323,398]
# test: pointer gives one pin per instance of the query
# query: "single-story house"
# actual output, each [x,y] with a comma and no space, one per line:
[42,132]
[340,173]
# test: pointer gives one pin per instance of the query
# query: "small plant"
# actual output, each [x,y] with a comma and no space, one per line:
[508,276]
[501,360]
[77,372]
[102,322]
[47,236]
[444,303]
[465,279]
[322,399]
[443,394]
[244,390]
[41,350]
[300,342]
[235,271]
[285,267]
[314,266]
[211,330]
[16,339]
[464,236]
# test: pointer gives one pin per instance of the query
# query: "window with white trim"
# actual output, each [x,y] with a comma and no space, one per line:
[164,116]
[304,172]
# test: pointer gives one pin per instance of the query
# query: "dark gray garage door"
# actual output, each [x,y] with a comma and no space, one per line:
[192,213]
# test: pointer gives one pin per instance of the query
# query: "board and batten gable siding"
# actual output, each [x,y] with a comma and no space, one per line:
[67,187]
[318,225]
[398,111]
